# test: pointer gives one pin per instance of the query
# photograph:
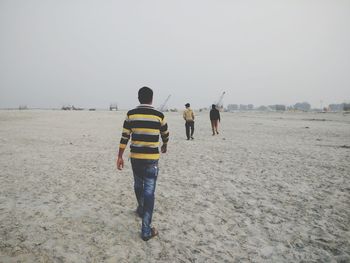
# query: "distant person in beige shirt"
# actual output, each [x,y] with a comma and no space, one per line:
[189,118]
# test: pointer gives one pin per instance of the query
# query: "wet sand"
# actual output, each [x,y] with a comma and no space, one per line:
[271,187]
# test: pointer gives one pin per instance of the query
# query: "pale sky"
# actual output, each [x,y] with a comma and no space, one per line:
[92,53]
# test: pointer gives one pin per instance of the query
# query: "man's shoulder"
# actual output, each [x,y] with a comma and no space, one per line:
[158,113]
[130,112]
[146,110]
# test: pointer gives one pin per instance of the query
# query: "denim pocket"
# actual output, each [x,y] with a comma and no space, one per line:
[152,170]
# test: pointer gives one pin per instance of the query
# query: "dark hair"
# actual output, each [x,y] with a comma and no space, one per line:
[213,106]
[145,95]
[187,105]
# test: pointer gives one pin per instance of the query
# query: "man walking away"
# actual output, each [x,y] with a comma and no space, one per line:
[144,124]
[214,118]
[189,118]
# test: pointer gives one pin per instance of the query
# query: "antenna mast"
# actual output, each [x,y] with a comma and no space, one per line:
[163,106]
[219,103]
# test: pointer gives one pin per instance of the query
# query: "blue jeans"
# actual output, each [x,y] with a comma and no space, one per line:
[145,178]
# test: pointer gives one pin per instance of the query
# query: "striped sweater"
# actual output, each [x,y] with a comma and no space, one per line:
[144,124]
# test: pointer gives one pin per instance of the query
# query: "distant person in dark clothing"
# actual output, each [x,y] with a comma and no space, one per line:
[214,118]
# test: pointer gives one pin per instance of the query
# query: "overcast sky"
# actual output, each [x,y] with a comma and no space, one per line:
[92,53]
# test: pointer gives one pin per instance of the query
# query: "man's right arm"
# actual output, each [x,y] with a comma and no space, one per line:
[164,133]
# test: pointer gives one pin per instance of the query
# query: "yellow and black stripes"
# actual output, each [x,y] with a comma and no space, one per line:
[143,125]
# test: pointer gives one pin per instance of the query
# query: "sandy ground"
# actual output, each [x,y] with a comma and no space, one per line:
[272,187]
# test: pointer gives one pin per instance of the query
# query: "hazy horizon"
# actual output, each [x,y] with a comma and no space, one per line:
[93,53]
[156,105]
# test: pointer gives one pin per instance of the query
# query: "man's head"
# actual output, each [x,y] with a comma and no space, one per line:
[213,106]
[187,105]
[145,95]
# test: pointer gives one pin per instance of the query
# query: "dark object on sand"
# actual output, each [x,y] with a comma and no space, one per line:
[23,107]
[113,106]
[345,146]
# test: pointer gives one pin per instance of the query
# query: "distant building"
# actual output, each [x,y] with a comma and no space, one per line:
[243,107]
[23,107]
[346,107]
[250,107]
[336,107]
[262,108]
[232,107]
[302,106]
[280,107]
